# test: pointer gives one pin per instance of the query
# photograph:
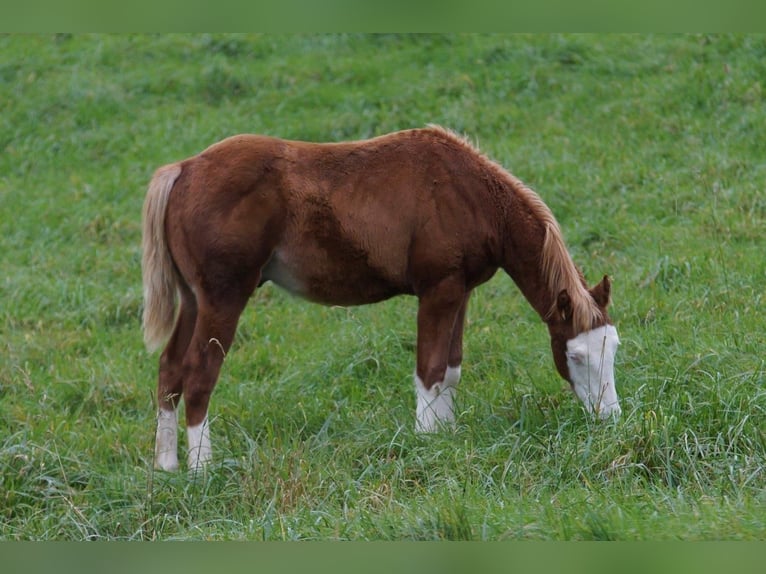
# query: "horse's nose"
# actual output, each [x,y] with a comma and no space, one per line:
[612,410]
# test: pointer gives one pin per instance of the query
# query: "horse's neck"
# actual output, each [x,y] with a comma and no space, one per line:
[523,266]
[524,233]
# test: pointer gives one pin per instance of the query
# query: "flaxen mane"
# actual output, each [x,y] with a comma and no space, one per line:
[556,264]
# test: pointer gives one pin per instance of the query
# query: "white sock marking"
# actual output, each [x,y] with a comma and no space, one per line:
[435,405]
[452,376]
[166,441]
[200,451]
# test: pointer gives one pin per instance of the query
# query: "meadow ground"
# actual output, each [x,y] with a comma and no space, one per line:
[649,149]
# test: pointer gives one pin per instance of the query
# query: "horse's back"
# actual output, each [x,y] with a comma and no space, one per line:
[339,223]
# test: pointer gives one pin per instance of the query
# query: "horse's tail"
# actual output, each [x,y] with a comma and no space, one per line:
[159,272]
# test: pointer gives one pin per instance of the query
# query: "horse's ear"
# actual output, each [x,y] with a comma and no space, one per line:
[564,305]
[601,293]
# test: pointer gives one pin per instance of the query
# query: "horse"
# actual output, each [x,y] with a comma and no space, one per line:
[419,212]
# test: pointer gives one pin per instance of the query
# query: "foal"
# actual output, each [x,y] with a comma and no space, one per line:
[419,212]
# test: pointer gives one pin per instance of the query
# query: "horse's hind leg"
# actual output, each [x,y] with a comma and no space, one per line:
[212,338]
[170,384]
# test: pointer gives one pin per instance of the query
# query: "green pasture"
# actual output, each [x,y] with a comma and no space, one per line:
[650,150]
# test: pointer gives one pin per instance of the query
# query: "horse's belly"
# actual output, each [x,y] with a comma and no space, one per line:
[331,281]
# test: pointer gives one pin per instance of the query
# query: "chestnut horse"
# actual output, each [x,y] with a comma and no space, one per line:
[419,212]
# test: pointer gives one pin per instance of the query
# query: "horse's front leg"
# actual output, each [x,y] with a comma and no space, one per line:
[455,359]
[441,314]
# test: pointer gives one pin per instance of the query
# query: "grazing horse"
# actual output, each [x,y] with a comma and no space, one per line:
[419,212]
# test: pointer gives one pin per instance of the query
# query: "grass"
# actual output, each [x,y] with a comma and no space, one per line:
[649,149]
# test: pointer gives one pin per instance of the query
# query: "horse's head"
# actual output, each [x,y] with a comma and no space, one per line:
[586,359]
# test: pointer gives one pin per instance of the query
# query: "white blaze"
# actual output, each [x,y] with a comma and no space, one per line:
[590,358]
